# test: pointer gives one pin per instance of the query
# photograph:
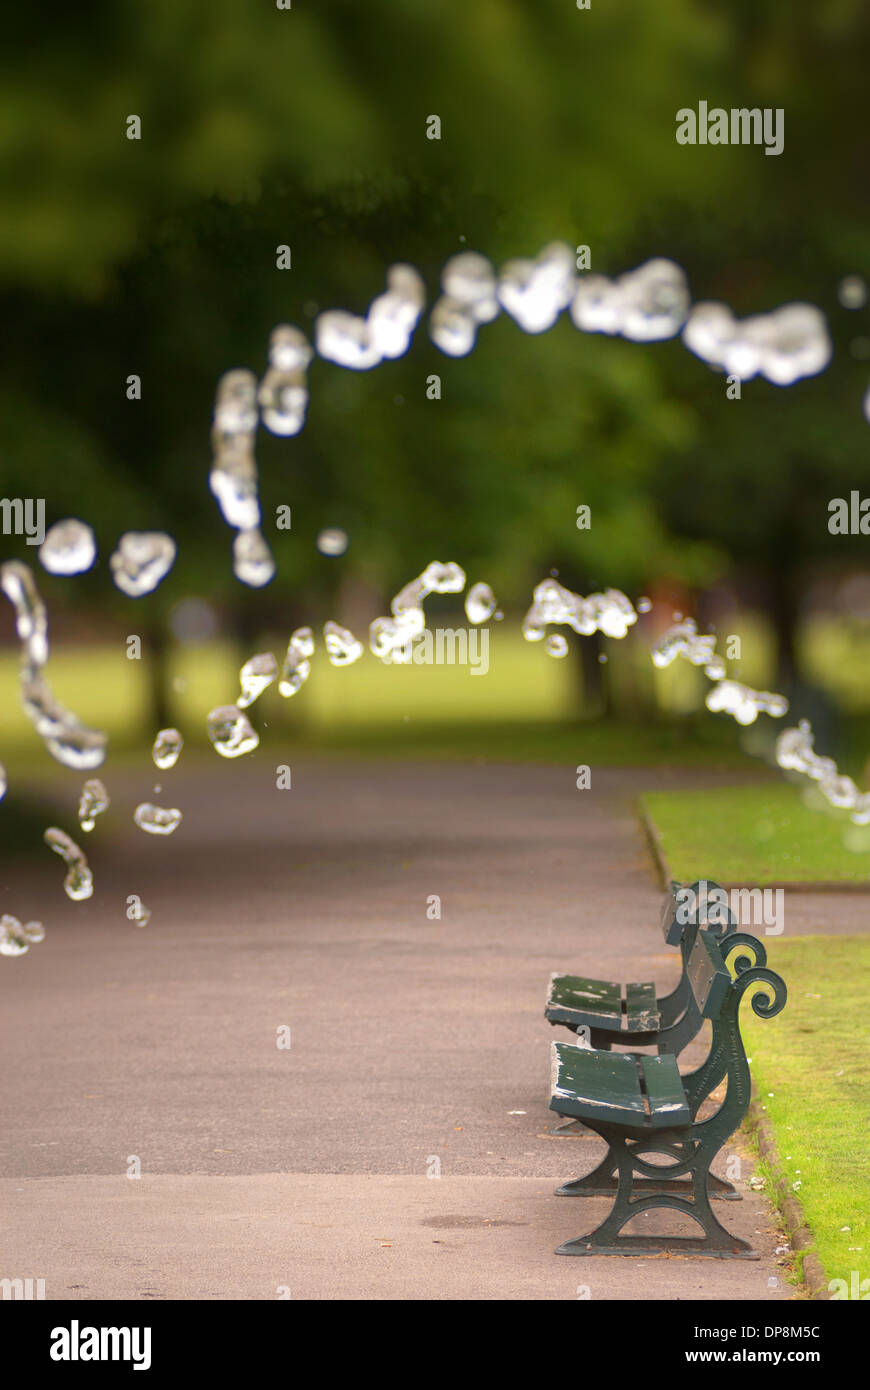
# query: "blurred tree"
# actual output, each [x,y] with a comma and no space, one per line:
[260,127]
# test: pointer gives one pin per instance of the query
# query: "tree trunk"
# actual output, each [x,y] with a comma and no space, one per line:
[594,698]
[783,615]
[157,646]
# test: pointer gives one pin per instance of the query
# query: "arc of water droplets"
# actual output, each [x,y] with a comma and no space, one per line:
[67,739]
[650,303]
[79,881]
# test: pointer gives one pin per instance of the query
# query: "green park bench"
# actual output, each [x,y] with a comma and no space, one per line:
[605,1013]
[640,1104]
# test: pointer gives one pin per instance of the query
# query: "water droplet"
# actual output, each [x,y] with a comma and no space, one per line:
[31,621]
[556,645]
[332,541]
[852,292]
[254,677]
[283,392]
[479,603]
[452,327]
[743,703]
[654,301]
[13,937]
[143,559]
[390,637]
[643,605]
[610,612]
[79,881]
[69,548]
[231,732]
[534,293]
[596,306]
[167,746]
[342,647]
[252,559]
[297,664]
[157,820]
[93,801]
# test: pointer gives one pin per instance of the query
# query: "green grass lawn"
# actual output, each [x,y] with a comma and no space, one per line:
[810,1068]
[766,833]
[524,709]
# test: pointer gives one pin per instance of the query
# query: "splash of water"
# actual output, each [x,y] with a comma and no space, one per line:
[93,801]
[297,663]
[470,298]
[15,939]
[66,738]
[332,541]
[31,619]
[142,561]
[79,881]
[157,820]
[283,393]
[784,346]
[479,603]
[389,636]
[795,753]
[385,332]
[342,647]
[610,613]
[534,292]
[745,704]
[255,676]
[69,548]
[683,639]
[647,304]
[231,731]
[253,562]
[167,747]
[233,479]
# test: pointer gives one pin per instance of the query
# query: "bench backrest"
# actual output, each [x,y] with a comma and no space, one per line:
[702,903]
[708,976]
[716,993]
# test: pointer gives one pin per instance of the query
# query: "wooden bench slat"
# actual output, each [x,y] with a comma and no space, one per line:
[664,1089]
[641,1008]
[605,1085]
[599,1001]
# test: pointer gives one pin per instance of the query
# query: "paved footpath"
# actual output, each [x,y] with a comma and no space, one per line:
[416,1045]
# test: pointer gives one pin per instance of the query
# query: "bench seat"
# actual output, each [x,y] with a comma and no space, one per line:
[636,1092]
[577,1001]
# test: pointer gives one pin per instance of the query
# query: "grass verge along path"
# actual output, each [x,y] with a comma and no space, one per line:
[756,834]
[810,1069]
